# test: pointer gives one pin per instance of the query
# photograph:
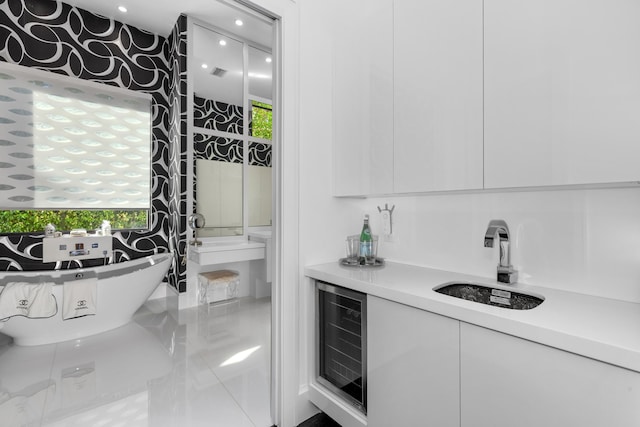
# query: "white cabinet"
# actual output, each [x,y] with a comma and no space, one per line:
[407,96]
[507,381]
[362,32]
[562,92]
[437,95]
[413,371]
[434,95]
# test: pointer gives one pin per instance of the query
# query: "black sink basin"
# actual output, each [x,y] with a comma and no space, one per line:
[490,296]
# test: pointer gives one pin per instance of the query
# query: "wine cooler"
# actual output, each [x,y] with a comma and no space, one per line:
[342,342]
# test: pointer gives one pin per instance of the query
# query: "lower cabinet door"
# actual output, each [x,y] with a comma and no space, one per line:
[413,367]
[508,381]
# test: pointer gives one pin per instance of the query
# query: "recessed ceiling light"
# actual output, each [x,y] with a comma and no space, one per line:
[222,42]
[239,22]
[122,9]
[205,66]
[268,59]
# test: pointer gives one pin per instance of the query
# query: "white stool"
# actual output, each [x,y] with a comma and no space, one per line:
[216,286]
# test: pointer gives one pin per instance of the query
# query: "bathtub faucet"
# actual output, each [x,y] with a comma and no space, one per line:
[77,263]
[506,272]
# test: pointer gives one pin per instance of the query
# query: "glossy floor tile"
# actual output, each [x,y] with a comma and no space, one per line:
[203,366]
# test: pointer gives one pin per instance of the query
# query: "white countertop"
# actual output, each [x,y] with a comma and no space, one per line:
[230,245]
[261,234]
[224,251]
[603,329]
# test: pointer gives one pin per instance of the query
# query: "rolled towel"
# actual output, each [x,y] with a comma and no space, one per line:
[80,298]
[33,300]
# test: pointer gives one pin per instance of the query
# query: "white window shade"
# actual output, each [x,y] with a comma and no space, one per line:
[66,143]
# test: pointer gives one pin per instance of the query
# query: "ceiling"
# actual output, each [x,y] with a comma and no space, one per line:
[228,87]
[159,17]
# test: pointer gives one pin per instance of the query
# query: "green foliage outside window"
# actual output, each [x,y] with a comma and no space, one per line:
[34,221]
[261,120]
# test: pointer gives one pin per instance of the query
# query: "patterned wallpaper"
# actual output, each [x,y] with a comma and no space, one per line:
[217,148]
[259,154]
[177,54]
[216,115]
[66,40]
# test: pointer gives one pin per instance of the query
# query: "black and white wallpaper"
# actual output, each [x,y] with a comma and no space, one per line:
[177,128]
[259,154]
[217,148]
[216,115]
[219,116]
[63,39]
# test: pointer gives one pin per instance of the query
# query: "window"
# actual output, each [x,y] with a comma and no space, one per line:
[259,168]
[28,221]
[261,120]
[72,153]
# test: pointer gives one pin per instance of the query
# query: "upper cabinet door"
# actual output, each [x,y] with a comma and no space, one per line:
[438,95]
[562,92]
[362,32]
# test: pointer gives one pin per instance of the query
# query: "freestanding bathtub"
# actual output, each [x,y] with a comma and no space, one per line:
[122,288]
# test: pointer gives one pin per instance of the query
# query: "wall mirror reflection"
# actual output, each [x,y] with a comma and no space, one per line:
[232,137]
[218,119]
[259,182]
[230,81]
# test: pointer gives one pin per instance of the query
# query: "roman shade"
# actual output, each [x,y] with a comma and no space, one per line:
[67,143]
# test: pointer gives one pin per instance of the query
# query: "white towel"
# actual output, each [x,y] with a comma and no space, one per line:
[80,298]
[33,300]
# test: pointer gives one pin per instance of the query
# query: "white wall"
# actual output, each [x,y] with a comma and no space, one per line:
[585,241]
[324,220]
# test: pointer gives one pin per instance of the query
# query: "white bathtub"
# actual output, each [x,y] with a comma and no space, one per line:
[122,288]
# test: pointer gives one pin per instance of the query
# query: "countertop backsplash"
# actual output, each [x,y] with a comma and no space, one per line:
[583,240]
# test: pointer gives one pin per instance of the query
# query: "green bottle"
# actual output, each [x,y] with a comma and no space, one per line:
[366,243]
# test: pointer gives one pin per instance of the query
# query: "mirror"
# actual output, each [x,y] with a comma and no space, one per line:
[232,139]
[218,75]
[259,181]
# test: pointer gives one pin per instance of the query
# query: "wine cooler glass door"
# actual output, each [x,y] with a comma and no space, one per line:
[342,342]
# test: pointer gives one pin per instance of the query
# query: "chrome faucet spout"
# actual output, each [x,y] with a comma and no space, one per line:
[499,227]
[506,273]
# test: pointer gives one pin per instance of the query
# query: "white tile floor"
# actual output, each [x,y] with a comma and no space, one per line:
[196,367]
